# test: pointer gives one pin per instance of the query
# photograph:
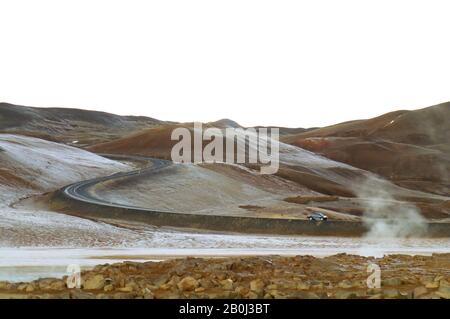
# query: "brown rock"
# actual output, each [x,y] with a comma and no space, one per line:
[345,294]
[94,283]
[241,291]
[188,284]
[79,294]
[147,294]
[444,292]
[124,295]
[426,279]
[22,287]
[29,288]
[272,287]
[257,286]
[345,284]
[252,295]
[303,286]
[227,284]
[391,293]
[392,282]
[443,283]
[206,283]
[303,295]
[126,289]
[432,285]
[4,285]
[420,291]
[276,294]
[57,285]
[108,288]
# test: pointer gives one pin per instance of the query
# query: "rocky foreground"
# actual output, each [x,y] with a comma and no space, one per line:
[340,276]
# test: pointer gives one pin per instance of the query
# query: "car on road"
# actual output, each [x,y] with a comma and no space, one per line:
[317,216]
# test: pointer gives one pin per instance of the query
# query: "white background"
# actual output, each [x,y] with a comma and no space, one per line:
[289,63]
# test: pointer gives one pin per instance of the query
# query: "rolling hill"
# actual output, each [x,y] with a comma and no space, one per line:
[410,148]
[70,126]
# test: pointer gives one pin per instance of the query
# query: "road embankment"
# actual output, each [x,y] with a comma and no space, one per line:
[61,202]
[77,199]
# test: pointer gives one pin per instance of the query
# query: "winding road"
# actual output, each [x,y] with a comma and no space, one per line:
[80,191]
[79,199]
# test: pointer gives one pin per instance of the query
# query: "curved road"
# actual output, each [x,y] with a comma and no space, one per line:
[80,190]
[80,193]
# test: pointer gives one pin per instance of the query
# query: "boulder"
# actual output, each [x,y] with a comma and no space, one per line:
[443,292]
[432,285]
[391,293]
[392,282]
[188,284]
[257,286]
[124,295]
[206,283]
[345,284]
[303,286]
[200,289]
[147,294]
[227,284]
[443,283]
[29,288]
[94,283]
[79,294]
[420,291]
[108,288]
[252,295]
[303,295]
[345,294]
[57,285]
[275,294]
[241,291]
[126,289]
[5,285]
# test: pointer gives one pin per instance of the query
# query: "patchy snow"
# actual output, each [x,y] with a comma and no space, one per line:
[30,164]
[43,166]
[296,157]
[191,188]
[37,228]
[33,166]
[290,154]
[293,155]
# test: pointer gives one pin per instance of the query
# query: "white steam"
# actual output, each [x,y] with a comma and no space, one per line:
[386,217]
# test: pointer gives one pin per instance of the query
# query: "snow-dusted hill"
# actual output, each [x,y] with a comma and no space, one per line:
[35,165]
[32,166]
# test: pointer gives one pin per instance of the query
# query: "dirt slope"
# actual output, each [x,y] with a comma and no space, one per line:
[312,172]
[410,148]
[68,125]
[427,126]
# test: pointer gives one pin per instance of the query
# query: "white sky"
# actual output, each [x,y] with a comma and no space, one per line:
[289,63]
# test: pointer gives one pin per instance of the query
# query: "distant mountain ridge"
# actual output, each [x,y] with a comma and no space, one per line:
[427,126]
[68,125]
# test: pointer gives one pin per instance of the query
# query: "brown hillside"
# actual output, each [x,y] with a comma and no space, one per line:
[410,148]
[70,126]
